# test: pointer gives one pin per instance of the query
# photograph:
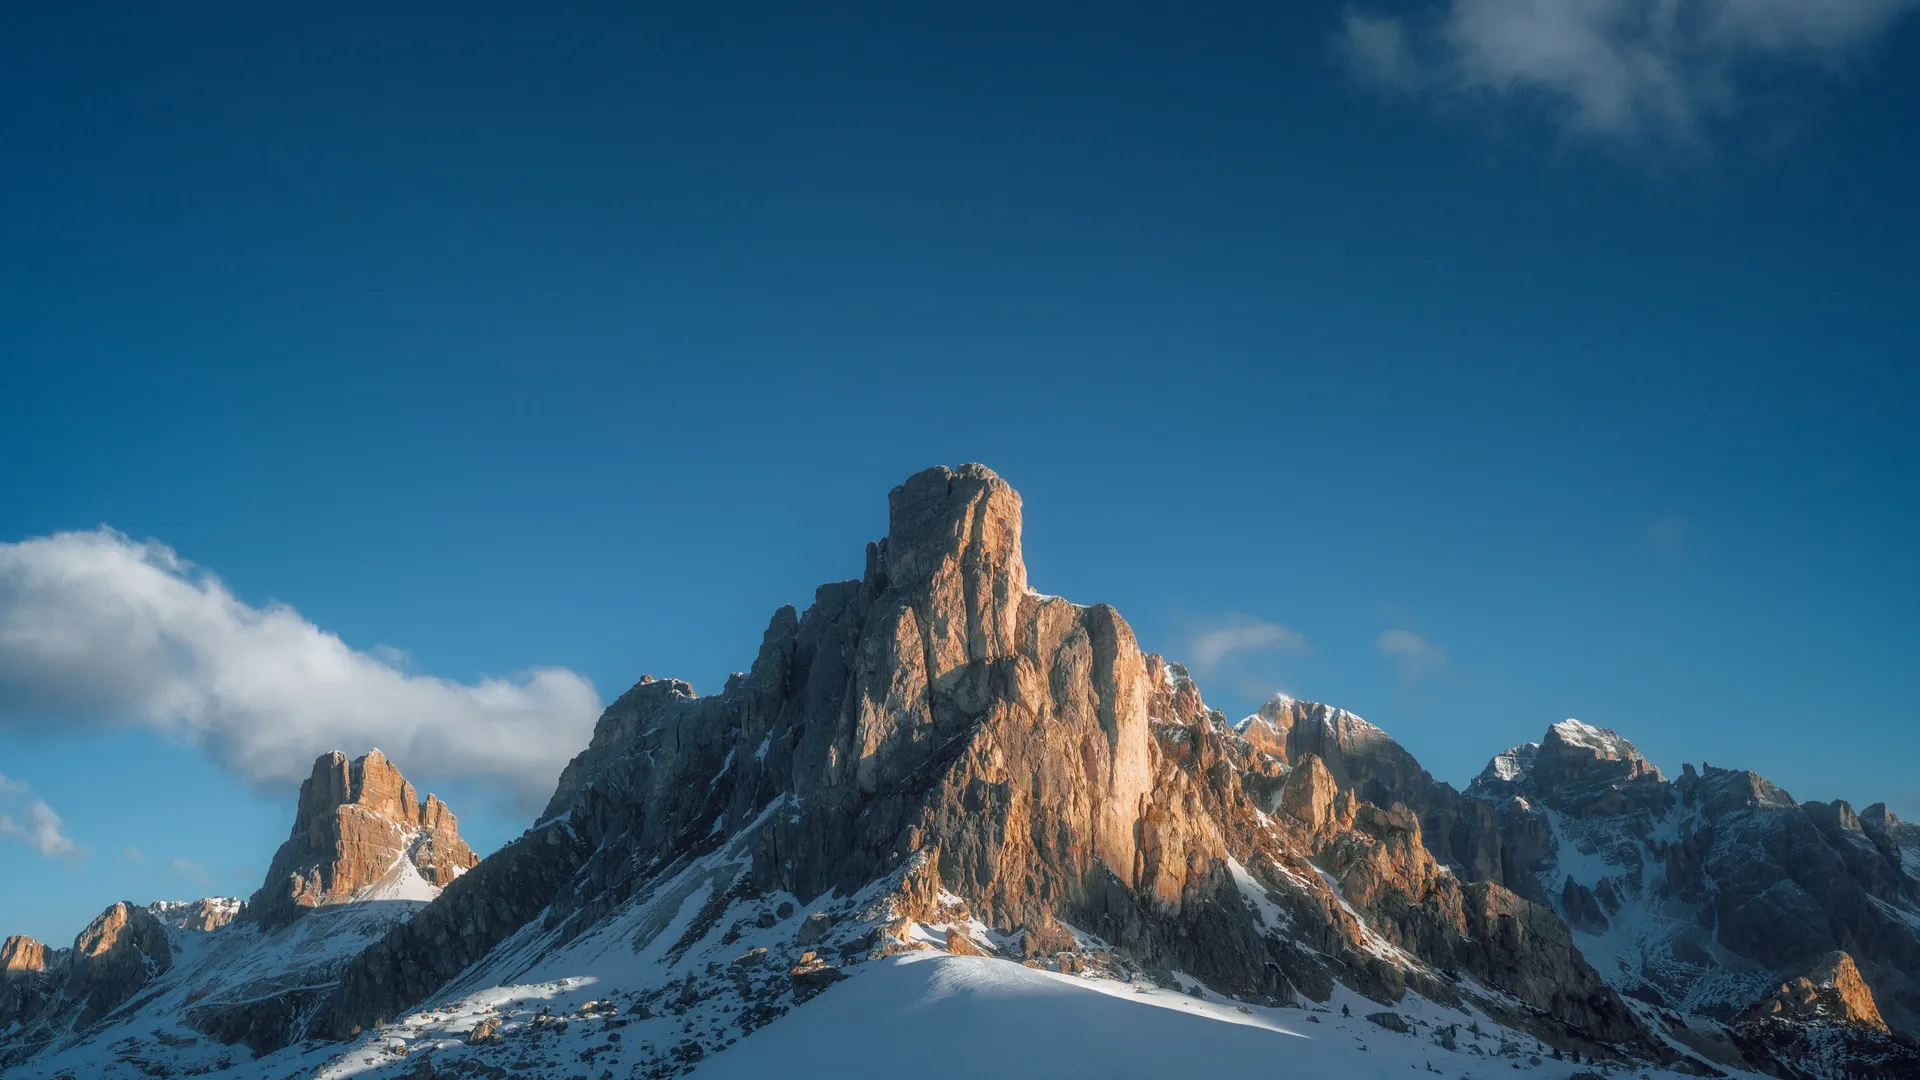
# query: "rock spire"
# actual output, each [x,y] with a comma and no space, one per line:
[360,832]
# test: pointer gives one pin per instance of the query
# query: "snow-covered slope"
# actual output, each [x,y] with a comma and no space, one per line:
[939,1017]
[1697,897]
[214,992]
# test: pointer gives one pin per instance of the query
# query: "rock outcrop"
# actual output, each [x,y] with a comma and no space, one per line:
[360,831]
[1824,1023]
[21,956]
[118,953]
[1832,991]
[24,979]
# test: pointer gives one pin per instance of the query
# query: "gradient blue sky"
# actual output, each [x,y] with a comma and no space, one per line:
[1460,388]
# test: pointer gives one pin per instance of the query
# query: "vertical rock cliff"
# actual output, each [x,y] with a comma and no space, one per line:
[360,831]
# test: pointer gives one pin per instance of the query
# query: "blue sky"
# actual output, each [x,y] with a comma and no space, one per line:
[1465,364]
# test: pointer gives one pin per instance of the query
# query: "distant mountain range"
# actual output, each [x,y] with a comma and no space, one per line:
[947,826]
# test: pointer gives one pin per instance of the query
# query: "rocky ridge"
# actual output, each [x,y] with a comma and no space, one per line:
[364,854]
[1704,896]
[1027,756]
[935,757]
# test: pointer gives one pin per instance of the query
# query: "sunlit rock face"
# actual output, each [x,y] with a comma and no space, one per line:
[937,757]
[1027,755]
[360,828]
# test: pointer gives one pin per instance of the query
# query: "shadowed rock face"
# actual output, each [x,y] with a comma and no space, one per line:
[1716,892]
[358,825]
[46,990]
[1020,751]
[118,953]
[24,980]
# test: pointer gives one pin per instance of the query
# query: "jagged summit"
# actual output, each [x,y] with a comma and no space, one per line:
[1575,765]
[360,831]
[20,953]
[936,758]
[937,733]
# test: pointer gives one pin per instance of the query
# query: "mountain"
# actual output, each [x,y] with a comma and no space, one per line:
[983,813]
[1703,895]
[363,857]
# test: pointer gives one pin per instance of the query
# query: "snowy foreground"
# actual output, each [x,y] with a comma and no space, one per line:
[937,1017]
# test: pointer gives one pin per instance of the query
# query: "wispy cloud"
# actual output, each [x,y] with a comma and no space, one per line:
[1634,70]
[133,854]
[188,870]
[1240,634]
[1417,657]
[1666,536]
[28,819]
[99,630]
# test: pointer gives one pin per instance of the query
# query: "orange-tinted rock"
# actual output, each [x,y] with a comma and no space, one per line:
[1309,793]
[1832,992]
[359,824]
[119,952]
[22,954]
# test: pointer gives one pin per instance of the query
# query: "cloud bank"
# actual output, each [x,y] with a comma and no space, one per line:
[1635,70]
[98,630]
[31,821]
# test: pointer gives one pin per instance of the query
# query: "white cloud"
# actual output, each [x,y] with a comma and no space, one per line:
[1240,634]
[1417,656]
[99,630]
[1639,70]
[31,821]
[133,854]
[188,869]
[1375,46]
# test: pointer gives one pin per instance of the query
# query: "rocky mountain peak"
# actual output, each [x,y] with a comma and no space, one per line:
[120,951]
[1577,768]
[1831,991]
[1571,738]
[1877,818]
[934,756]
[360,831]
[204,915]
[20,953]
